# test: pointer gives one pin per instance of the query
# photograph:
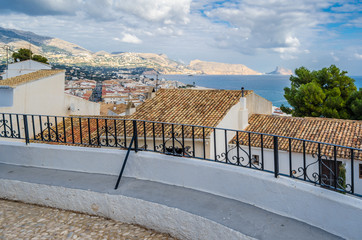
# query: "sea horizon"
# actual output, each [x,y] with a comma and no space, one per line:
[268,86]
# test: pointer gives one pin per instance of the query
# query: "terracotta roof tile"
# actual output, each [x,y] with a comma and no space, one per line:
[185,106]
[335,131]
[193,107]
[14,81]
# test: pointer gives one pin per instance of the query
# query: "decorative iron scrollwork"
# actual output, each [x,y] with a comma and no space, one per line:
[49,134]
[239,158]
[177,149]
[329,179]
[108,138]
[6,130]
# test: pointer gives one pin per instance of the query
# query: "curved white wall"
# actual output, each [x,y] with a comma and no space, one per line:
[180,224]
[334,212]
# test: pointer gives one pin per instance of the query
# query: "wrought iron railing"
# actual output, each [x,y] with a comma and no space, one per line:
[330,166]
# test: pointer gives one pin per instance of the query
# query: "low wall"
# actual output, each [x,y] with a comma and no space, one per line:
[334,212]
[180,224]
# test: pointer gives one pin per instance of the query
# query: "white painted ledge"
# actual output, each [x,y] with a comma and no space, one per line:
[178,223]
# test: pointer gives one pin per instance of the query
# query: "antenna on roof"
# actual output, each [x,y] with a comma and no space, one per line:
[242,91]
[30,55]
[7,49]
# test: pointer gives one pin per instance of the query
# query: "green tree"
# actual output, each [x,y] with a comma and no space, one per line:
[25,54]
[40,58]
[354,105]
[323,93]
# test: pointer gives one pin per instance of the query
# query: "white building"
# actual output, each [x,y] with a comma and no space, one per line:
[42,92]
[210,108]
[313,162]
[24,67]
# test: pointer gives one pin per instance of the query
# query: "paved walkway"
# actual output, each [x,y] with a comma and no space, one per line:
[27,221]
[242,217]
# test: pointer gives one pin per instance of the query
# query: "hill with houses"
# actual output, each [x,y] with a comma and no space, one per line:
[62,52]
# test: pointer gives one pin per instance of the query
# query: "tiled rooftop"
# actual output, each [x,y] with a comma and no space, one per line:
[335,131]
[15,81]
[196,107]
[185,106]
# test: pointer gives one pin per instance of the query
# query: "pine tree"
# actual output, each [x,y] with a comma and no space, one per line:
[25,54]
[324,93]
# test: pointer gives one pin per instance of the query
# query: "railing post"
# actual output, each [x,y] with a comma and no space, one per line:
[26,129]
[135,135]
[124,162]
[352,172]
[276,157]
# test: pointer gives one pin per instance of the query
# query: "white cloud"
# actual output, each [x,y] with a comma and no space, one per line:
[358,56]
[129,38]
[157,10]
[275,25]
[348,8]
[258,31]
[334,57]
[356,22]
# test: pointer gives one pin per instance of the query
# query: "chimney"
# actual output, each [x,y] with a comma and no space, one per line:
[151,93]
[130,109]
[243,112]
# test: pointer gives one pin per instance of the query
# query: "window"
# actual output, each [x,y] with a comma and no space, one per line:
[360,171]
[255,159]
[329,176]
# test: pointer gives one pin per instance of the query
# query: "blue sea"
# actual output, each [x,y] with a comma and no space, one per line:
[270,87]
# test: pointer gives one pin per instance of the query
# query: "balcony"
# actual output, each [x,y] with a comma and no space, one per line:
[182,178]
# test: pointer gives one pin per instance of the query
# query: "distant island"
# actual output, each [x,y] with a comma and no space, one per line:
[62,52]
[281,71]
[214,68]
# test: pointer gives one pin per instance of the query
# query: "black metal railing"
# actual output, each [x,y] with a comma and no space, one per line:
[327,165]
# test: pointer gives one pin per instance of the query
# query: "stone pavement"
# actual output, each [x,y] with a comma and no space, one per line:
[27,221]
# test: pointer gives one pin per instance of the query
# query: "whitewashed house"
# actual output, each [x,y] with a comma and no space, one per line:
[209,108]
[24,67]
[42,92]
[319,163]
[38,93]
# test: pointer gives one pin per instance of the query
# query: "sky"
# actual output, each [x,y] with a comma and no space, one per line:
[260,34]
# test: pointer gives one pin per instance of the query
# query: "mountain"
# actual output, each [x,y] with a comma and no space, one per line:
[281,71]
[62,52]
[214,68]
[11,35]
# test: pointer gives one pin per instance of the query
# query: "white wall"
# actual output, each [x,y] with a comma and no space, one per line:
[162,218]
[334,212]
[43,96]
[258,104]
[46,96]
[230,121]
[297,163]
[24,67]
[254,104]
[78,106]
